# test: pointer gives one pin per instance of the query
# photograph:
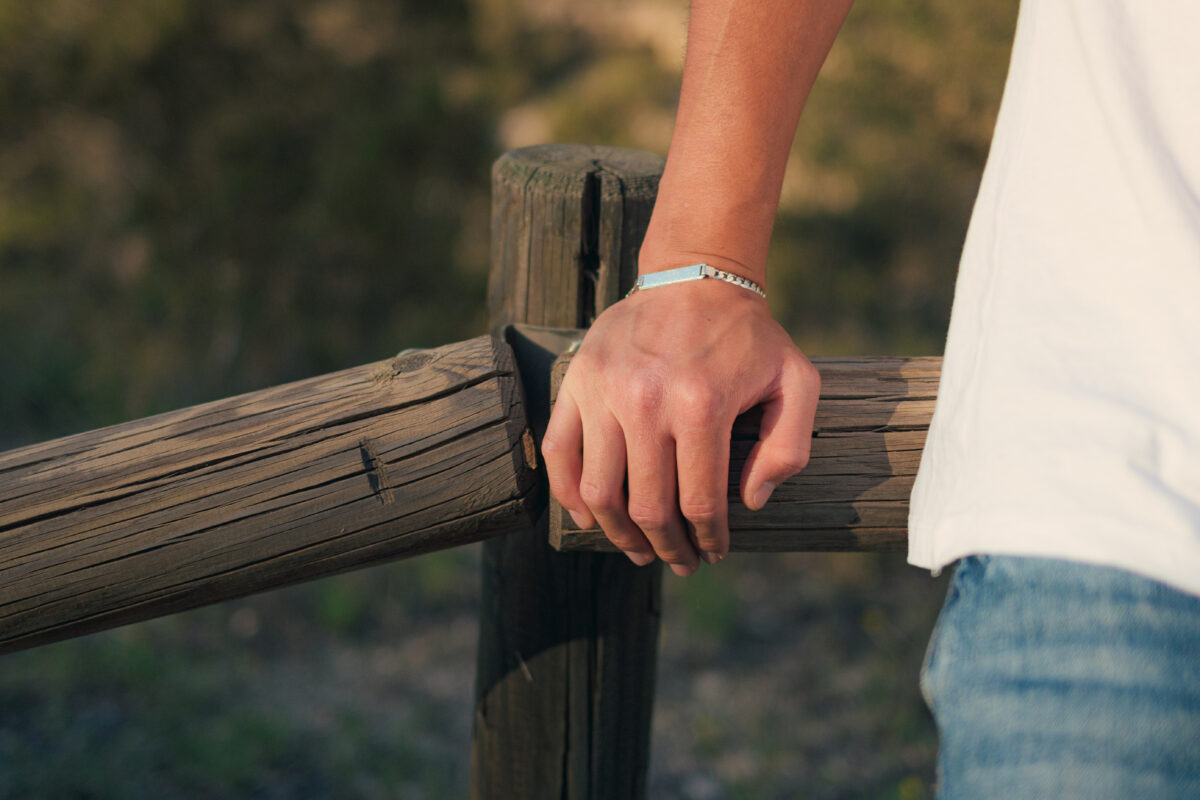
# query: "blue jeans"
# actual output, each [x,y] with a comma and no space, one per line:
[1051,679]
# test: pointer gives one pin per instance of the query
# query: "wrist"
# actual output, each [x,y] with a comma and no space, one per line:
[651,261]
[656,256]
[733,237]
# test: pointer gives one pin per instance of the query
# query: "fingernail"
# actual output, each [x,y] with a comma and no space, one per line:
[579,520]
[763,495]
[682,570]
[641,559]
[711,558]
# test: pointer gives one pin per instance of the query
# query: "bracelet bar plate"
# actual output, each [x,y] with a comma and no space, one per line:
[668,276]
[690,273]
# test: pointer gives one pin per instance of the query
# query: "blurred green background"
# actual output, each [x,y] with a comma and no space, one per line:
[203,198]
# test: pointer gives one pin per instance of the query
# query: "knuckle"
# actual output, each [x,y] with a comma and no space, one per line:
[581,364]
[701,512]
[649,516]
[795,461]
[697,398]
[599,495]
[645,391]
[808,374]
[554,447]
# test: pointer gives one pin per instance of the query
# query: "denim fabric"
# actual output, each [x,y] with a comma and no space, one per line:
[1053,679]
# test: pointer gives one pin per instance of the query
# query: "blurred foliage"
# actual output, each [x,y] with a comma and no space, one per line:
[202,198]
[198,199]
[884,172]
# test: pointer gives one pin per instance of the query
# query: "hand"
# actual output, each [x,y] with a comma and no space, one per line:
[652,394]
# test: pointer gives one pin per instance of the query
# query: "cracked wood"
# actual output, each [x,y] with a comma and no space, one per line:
[422,452]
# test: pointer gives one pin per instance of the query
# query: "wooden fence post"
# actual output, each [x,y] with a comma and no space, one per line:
[567,645]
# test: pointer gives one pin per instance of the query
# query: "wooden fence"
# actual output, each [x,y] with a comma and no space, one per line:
[434,449]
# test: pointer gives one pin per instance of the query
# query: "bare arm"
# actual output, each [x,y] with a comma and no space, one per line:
[749,68]
[658,380]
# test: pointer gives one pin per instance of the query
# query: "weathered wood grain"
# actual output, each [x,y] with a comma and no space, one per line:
[870,429]
[567,222]
[566,669]
[421,452]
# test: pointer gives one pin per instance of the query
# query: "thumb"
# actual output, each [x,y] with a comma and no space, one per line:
[785,435]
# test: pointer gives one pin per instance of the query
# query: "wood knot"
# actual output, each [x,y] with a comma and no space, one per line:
[406,361]
[411,361]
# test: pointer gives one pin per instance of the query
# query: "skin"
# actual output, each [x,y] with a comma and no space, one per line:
[639,438]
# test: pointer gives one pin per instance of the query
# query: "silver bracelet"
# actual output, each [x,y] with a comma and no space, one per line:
[693,272]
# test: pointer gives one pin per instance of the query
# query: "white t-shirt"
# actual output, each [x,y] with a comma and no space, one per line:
[1068,417]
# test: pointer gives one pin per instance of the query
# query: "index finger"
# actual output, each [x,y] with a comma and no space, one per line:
[562,450]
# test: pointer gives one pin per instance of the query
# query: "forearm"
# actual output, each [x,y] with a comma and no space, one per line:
[749,68]
[639,437]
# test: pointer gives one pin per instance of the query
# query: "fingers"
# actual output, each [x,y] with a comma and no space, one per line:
[592,489]
[653,502]
[648,394]
[562,450]
[601,486]
[685,472]
[785,436]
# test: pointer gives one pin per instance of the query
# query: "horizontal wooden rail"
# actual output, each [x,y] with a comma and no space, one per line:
[421,452]
[870,428]
[425,451]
